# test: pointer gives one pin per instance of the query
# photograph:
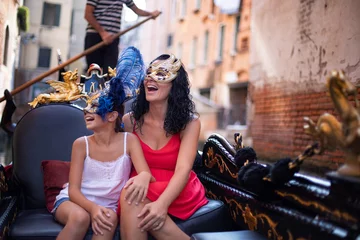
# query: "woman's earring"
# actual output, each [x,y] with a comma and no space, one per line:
[122,125]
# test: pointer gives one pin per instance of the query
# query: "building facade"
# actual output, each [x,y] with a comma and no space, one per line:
[9,44]
[293,50]
[50,23]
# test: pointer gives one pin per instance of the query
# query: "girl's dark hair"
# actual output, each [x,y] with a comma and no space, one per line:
[118,123]
[181,108]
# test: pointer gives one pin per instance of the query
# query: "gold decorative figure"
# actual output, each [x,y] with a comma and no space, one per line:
[345,134]
[238,141]
[112,72]
[66,91]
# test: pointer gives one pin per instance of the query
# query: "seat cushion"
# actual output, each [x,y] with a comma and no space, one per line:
[40,224]
[213,217]
[56,174]
[245,234]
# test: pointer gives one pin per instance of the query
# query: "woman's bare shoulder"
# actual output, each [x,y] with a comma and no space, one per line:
[127,119]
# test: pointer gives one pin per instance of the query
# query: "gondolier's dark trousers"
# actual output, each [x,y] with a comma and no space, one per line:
[106,56]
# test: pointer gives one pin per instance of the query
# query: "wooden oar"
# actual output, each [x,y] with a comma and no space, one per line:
[86,52]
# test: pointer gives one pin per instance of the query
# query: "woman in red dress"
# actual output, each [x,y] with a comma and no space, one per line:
[165,121]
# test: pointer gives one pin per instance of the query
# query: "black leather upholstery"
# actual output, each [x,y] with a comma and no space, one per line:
[44,133]
[39,223]
[241,235]
[47,133]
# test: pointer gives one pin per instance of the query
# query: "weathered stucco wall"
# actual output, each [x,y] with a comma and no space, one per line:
[294,46]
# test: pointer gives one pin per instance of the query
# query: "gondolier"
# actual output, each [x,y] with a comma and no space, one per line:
[104,20]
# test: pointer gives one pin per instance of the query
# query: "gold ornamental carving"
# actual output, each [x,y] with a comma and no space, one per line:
[66,91]
[332,133]
[252,220]
[219,161]
[321,207]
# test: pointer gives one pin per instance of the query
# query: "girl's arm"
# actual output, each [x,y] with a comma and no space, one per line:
[137,186]
[97,213]
[78,156]
[157,211]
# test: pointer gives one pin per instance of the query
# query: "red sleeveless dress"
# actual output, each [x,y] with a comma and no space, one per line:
[162,165]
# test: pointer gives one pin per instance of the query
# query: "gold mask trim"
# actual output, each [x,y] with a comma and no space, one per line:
[164,71]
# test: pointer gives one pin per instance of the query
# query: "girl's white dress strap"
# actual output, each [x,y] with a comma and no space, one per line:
[87,146]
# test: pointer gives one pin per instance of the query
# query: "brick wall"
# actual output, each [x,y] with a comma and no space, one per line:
[294,46]
[277,130]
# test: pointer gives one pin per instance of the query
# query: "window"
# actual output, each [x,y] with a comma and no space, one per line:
[193,53]
[221,42]
[236,33]
[44,57]
[51,14]
[244,44]
[205,92]
[213,7]
[169,40]
[179,51]
[197,5]
[238,95]
[173,9]
[6,46]
[206,47]
[183,9]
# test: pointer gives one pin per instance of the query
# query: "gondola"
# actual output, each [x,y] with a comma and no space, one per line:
[247,199]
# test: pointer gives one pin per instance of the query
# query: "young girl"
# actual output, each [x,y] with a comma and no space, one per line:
[101,163]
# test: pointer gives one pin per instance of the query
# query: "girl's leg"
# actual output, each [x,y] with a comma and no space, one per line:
[75,218]
[129,223]
[108,234]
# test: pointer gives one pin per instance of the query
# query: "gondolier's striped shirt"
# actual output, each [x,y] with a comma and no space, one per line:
[108,14]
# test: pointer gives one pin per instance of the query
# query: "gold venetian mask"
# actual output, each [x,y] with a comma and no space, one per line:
[92,103]
[164,71]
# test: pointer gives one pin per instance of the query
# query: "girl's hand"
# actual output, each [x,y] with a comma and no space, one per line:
[100,219]
[137,187]
[155,215]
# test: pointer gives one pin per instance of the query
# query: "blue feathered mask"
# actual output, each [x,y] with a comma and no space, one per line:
[130,72]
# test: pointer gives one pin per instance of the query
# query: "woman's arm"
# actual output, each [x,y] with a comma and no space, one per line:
[137,155]
[137,186]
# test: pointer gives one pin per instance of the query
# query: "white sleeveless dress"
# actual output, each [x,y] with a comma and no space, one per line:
[102,182]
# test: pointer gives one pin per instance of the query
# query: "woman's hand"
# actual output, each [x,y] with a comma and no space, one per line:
[100,219]
[155,215]
[137,187]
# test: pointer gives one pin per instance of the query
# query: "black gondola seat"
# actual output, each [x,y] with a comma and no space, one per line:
[243,235]
[47,133]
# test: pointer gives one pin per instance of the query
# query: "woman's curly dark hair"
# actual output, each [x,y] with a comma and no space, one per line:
[181,108]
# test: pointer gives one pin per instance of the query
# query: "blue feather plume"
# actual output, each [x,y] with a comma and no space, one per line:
[130,72]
